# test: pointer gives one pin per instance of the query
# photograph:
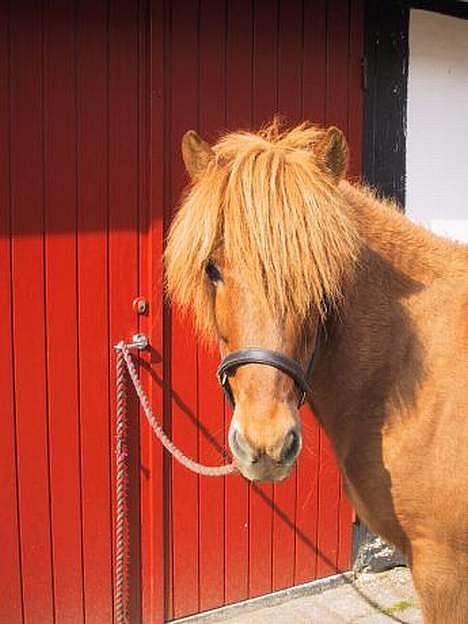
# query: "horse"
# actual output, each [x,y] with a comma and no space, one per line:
[314,285]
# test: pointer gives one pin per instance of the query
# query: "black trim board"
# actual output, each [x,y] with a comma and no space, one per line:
[447,7]
[385,97]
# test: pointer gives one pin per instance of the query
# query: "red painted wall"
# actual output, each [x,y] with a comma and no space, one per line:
[94,98]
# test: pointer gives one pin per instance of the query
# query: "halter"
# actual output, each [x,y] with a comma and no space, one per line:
[281,362]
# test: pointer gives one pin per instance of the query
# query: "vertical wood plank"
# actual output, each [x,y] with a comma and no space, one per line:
[123,168]
[93,307]
[265,61]
[355,112]
[290,59]
[152,184]
[184,374]
[11,606]
[314,61]
[328,509]
[27,172]
[211,102]
[61,308]
[239,59]
[239,50]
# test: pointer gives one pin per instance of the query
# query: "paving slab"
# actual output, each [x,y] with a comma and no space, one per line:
[378,598]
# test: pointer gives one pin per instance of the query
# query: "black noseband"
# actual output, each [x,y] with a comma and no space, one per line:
[255,355]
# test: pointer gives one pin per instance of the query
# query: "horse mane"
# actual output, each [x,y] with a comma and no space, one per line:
[275,214]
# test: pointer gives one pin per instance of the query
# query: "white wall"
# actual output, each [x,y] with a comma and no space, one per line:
[437,134]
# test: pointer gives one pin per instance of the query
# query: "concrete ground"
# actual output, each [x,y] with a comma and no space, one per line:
[384,598]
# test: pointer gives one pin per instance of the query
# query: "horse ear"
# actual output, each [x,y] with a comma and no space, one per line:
[333,152]
[196,154]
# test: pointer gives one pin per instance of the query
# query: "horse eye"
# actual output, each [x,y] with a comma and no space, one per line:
[214,274]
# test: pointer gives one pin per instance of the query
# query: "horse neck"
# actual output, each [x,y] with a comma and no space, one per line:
[402,245]
[373,345]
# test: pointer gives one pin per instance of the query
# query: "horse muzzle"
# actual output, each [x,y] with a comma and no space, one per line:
[266,463]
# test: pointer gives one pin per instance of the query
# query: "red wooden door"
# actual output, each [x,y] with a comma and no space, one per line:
[94,98]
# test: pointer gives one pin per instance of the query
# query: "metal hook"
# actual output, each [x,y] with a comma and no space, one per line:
[139,341]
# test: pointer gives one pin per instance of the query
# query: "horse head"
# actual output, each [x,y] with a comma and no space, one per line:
[257,246]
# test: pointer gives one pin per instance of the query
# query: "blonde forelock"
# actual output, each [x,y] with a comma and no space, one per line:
[277,216]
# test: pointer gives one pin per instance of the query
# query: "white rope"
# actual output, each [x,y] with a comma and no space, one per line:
[212,471]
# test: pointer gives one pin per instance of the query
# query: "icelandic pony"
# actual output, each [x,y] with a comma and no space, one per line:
[271,248]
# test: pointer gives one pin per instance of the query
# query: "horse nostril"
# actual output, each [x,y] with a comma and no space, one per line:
[242,449]
[291,446]
[235,440]
[238,444]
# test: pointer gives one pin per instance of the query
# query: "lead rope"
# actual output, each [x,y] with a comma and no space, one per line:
[125,364]
[121,495]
